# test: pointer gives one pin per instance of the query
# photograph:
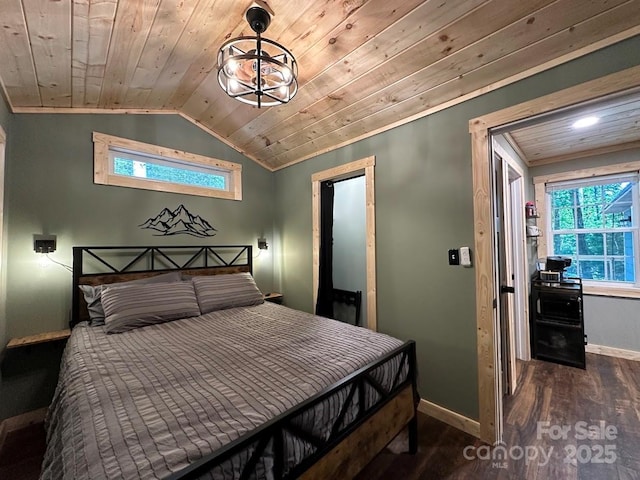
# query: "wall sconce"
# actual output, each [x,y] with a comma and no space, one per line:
[44,243]
[262,243]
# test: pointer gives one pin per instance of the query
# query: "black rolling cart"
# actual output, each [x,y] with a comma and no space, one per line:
[557,321]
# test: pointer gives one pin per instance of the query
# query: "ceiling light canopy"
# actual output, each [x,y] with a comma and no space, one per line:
[256,70]
[585,122]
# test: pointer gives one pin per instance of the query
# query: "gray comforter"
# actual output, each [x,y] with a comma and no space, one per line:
[148,402]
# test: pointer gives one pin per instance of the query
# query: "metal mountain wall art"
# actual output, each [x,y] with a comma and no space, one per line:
[178,222]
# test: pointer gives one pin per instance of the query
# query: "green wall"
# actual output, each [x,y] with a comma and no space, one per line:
[50,190]
[424,206]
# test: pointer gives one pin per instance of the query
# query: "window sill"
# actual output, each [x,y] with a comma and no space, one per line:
[611,291]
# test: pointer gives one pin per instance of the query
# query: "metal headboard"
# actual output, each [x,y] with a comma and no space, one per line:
[103,265]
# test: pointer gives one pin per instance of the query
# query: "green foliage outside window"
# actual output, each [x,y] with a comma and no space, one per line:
[163,173]
[593,225]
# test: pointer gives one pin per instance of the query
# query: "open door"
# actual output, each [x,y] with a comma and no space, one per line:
[505,275]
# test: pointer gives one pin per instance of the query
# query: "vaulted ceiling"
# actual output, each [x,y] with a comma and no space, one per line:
[364,65]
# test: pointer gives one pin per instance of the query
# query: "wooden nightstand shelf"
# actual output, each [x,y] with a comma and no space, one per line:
[274,297]
[39,338]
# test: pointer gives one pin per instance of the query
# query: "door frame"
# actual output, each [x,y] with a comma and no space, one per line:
[364,167]
[489,399]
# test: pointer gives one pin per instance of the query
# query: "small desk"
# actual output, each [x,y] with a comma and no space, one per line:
[274,297]
[39,338]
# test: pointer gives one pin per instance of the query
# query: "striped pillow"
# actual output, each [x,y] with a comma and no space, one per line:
[135,306]
[92,293]
[217,292]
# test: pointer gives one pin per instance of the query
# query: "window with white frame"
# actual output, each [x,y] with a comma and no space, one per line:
[594,221]
[127,163]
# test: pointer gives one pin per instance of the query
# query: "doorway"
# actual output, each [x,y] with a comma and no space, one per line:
[364,167]
[488,348]
[349,250]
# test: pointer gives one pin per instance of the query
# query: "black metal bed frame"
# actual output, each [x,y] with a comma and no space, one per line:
[158,258]
[273,432]
[269,438]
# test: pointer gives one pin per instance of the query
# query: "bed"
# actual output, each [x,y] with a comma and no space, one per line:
[246,390]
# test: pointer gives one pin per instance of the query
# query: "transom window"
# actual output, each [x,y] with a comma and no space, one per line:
[127,163]
[595,222]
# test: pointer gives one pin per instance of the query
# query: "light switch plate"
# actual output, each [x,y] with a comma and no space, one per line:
[465,256]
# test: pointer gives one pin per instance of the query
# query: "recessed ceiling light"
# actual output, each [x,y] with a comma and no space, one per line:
[585,122]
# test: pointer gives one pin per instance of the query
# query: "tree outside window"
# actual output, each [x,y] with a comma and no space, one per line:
[128,163]
[593,223]
[165,173]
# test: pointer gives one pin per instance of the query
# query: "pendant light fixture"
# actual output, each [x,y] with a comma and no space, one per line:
[256,70]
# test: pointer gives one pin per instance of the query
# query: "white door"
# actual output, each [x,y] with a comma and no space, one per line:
[505,275]
[520,265]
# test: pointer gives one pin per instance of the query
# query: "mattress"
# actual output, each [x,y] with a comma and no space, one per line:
[148,402]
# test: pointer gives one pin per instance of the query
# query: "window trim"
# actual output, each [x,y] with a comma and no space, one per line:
[542,204]
[103,143]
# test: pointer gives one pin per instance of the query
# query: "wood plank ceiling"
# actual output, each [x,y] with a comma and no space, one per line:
[365,65]
[556,139]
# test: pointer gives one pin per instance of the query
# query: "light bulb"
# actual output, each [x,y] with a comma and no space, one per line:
[232,66]
[44,261]
[585,122]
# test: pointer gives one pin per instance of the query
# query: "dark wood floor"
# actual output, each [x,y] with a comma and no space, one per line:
[608,391]
[22,453]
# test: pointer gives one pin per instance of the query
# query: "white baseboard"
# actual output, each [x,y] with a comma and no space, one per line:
[466,424]
[613,352]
